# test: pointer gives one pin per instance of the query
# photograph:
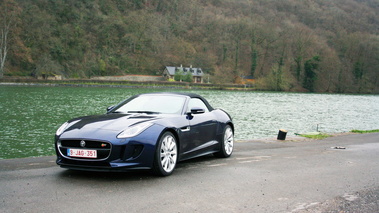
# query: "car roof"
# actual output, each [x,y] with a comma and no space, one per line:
[191,95]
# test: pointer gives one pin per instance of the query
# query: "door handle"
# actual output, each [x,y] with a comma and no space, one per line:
[185,129]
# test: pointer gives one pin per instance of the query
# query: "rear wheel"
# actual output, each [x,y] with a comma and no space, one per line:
[227,143]
[166,155]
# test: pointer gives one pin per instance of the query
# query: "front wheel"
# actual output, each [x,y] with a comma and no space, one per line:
[227,143]
[166,155]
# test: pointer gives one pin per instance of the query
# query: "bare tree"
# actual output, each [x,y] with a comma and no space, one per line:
[5,23]
[4,44]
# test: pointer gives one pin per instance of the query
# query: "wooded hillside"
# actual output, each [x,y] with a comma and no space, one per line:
[291,45]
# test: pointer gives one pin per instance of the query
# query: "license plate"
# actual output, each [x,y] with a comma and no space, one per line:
[82,153]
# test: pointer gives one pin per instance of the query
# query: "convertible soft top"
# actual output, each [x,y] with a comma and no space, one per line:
[191,95]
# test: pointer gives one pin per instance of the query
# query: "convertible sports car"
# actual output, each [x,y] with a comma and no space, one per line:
[148,131]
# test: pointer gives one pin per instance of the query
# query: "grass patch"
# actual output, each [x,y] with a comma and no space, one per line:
[364,131]
[316,136]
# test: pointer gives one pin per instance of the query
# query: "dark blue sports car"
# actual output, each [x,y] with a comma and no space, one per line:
[148,131]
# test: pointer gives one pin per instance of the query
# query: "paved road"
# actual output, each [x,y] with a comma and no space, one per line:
[261,176]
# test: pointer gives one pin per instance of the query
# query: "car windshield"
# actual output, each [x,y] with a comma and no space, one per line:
[153,104]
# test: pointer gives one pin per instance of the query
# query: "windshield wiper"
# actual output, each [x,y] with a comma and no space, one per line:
[116,112]
[146,112]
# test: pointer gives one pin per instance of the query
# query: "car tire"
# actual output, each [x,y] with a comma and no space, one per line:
[166,155]
[227,143]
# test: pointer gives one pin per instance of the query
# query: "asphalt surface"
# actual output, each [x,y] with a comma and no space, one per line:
[338,174]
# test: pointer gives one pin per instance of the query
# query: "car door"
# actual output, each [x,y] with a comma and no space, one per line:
[202,129]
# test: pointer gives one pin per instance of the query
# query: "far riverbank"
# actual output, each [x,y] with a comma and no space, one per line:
[124,84]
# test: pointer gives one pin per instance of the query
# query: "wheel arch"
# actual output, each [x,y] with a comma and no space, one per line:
[174,132]
[231,125]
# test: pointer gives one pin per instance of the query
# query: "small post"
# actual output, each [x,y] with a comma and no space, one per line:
[282,134]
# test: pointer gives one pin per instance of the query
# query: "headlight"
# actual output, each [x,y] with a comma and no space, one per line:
[64,127]
[134,130]
[61,129]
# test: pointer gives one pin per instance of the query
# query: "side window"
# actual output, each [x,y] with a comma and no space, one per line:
[196,102]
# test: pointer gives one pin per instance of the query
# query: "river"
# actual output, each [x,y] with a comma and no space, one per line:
[30,115]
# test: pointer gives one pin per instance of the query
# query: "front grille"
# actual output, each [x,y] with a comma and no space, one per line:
[102,148]
[89,144]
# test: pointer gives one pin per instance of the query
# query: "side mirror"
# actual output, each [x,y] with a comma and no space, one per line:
[197,110]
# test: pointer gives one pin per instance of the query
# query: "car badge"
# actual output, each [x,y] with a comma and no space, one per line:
[82,143]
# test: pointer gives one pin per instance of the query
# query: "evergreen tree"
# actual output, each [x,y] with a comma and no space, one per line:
[310,76]
[178,76]
[358,70]
[188,77]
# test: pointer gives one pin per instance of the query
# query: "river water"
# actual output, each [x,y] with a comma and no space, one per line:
[31,115]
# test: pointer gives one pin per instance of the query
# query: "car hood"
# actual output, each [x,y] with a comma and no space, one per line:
[112,122]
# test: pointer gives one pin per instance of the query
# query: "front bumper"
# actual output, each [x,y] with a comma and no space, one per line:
[113,154]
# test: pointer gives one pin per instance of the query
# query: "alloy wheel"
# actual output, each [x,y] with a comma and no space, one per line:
[228,141]
[168,153]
